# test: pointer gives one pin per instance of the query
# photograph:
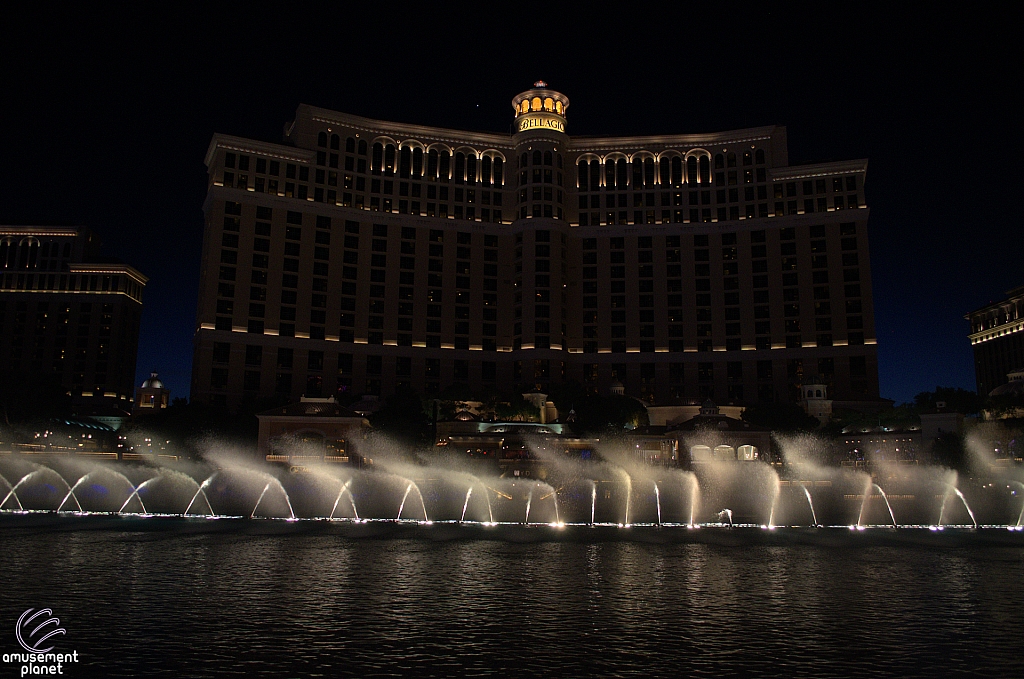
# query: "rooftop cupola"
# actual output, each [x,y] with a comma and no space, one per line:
[540,108]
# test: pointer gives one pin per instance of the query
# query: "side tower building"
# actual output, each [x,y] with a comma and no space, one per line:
[68,316]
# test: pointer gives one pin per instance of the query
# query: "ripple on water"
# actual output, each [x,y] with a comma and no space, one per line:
[224,604]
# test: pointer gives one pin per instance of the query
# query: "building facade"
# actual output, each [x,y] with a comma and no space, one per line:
[365,256]
[997,337]
[66,314]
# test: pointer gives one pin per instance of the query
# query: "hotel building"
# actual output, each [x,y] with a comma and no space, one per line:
[66,313]
[365,256]
[997,337]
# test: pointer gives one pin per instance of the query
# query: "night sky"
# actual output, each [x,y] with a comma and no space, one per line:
[106,120]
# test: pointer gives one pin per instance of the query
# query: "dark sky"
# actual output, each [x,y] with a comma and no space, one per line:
[106,119]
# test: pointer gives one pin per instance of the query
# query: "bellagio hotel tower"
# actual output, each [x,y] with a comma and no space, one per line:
[361,256]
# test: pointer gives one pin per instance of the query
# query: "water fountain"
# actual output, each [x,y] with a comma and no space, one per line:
[613,490]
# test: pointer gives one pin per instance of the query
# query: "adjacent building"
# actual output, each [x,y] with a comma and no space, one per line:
[151,396]
[997,337]
[311,430]
[68,315]
[361,256]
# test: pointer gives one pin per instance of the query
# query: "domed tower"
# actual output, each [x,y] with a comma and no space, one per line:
[540,141]
[541,252]
[152,395]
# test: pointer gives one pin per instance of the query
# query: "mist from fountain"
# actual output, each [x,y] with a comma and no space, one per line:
[9,494]
[728,483]
[240,487]
[810,504]
[666,505]
[571,474]
[951,488]
[593,502]
[446,492]
[200,491]
[42,486]
[96,497]
[802,454]
[694,497]
[615,488]
[982,462]
[341,491]
[776,491]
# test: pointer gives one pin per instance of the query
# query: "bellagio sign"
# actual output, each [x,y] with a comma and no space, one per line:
[540,121]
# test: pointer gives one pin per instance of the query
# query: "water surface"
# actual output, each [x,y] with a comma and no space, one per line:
[313,603]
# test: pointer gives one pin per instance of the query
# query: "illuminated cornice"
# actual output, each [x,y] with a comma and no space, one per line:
[108,269]
[40,231]
[383,127]
[260,148]
[818,169]
[659,142]
[1010,328]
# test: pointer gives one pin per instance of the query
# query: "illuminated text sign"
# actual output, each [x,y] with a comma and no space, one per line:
[540,122]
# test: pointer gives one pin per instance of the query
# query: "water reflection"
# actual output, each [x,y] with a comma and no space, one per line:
[220,603]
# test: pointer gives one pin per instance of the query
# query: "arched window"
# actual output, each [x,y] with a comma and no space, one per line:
[485,171]
[460,168]
[377,160]
[724,452]
[759,156]
[549,104]
[389,159]
[535,104]
[719,161]
[558,107]
[609,174]
[471,169]
[6,253]
[524,106]
[649,172]
[638,173]
[321,139]
[537,157]
[664,171]
[444,169]
[691,170]
[499,177]
[29,252]
[677,171]
[621,168]
[350,145]
[547,158]
[595,175]
[432,164]
[700,453]
[405,162]
[730,160]
[582,176]
[705,170]
[417,163]
[335,142]
[362,147]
